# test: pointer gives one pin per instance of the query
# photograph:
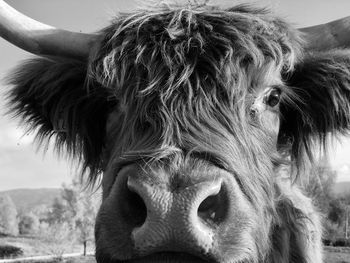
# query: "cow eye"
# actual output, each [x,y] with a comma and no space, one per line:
[273,96]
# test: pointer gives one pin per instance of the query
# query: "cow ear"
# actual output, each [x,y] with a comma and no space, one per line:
[320,104]
[54,99]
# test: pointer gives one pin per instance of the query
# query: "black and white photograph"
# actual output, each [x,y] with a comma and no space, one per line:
[174,131]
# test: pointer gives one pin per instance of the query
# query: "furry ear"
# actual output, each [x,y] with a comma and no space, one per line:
[53,98]
[320,86]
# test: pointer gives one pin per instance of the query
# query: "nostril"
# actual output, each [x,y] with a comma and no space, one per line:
[135,210]
[208,204]
[212,209]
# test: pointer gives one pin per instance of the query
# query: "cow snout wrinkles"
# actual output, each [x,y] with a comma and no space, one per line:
[181,220]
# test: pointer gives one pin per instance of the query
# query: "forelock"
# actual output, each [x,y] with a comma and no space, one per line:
[181,63]
[183,76]
[178,37]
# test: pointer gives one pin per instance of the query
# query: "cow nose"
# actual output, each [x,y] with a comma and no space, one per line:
[183,219]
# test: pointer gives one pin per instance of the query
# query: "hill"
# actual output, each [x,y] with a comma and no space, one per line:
[341,188]
[27,199]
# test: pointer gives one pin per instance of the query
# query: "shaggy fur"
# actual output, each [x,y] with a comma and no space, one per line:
[168,84]
[322,82]
[52,96]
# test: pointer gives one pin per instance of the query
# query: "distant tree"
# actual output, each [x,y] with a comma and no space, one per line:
[332,231]
[345,199]
[56,238]
[320,188]
[85,221]
[81,209]
[28,224]
[42,212]
[336,212]
[58,213]
[76,207]
[320,185]
[8,216]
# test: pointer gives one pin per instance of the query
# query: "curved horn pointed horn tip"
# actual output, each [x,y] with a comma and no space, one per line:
[41,39]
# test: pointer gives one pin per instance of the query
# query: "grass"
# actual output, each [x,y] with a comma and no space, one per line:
[27,244]
[87,259]
[332,255]
[337,255]
[33,247]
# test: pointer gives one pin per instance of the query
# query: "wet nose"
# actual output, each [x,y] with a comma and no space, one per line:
[176,220]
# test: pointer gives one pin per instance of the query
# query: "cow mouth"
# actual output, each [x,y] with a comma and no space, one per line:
[163,257]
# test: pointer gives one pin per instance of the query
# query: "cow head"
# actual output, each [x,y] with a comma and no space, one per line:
[189,113]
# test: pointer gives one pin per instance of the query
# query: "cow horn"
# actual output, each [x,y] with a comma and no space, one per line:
[334,34]
[42,39]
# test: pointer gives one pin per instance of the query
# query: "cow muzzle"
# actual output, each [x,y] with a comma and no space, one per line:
[157,217]
[178,219]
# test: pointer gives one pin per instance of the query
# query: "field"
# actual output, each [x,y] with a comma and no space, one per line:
[32,247]
[337,255]
[332,255]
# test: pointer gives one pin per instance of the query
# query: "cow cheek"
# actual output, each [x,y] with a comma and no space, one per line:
[107,184]
[111,230]
[268,118]
[243,237]
[270,121]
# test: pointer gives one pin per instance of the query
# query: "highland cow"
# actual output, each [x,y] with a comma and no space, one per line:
[199,118]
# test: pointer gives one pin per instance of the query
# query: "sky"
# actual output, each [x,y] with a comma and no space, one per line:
[23,165]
